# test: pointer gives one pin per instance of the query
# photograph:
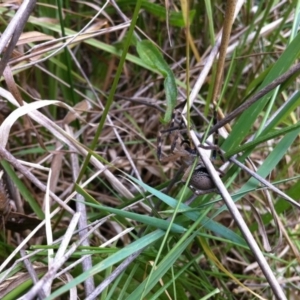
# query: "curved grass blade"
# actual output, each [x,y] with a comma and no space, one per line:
[151,221]
[206,222]
[262,139]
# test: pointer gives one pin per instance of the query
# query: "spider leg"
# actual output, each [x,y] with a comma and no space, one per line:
[215,146]
[172,157]
[160,134]
[158,145]
[216,136]
[178,128]
[186,174]
[216,139]
[174,142]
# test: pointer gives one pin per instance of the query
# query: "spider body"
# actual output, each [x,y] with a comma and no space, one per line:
[200,181]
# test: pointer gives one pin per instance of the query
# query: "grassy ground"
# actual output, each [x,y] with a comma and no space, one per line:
[97,215]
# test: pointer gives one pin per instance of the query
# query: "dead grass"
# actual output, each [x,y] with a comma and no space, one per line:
[123,237]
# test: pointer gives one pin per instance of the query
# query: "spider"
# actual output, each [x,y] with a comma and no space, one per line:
[200,181]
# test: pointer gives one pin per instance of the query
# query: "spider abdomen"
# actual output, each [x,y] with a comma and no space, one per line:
[200,179]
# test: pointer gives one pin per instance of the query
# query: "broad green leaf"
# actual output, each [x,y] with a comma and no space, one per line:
[175,18]
[171,95]
[154,59]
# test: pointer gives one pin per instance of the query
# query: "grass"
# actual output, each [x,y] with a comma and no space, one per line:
[80,160]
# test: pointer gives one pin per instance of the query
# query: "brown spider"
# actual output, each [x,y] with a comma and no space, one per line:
[200,181]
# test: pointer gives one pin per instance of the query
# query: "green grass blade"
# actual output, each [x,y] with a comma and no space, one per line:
[247,119]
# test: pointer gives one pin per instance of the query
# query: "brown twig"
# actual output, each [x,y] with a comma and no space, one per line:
[256,97]
[13,32]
